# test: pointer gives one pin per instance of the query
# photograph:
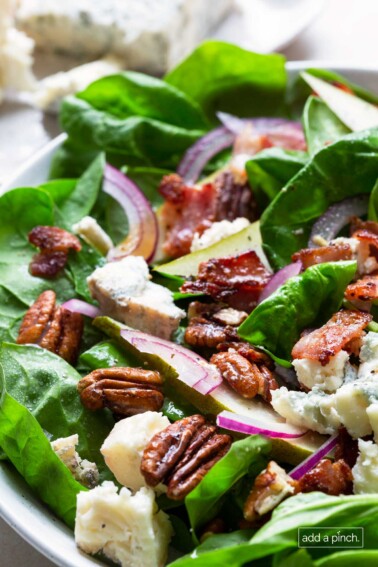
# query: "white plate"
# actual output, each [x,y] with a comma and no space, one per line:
[18,507]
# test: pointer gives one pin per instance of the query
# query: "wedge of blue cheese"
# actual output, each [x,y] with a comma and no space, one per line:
[149,35]
[125,292]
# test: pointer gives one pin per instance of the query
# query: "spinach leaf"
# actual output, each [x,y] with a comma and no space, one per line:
[300,557]
[350,558]
[222,76]
[269,170]
[71,160]
[81,265]
[26,446]
[306,300]
[204,502]
[346,168]
[47,386]
[281,532]
[321,125]
[373,204]
[135,117]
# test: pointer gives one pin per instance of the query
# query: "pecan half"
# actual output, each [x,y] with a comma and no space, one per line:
[332,478]
[203,333]
[52,327]
[125,391]
[54,244]
[182,454]
[270,488]
[239,373]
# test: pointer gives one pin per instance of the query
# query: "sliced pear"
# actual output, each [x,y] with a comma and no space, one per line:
[247,239]
[355,112]
[291,451]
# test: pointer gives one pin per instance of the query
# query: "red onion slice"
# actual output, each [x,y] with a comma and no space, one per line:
[314,459]
[191,368]
[143,227]
[337,216]
[279,279]
[281,132]
[250,426]
[78,306]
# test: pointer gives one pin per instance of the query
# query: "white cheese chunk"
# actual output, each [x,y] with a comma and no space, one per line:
[369,356]
[83,470]
[311,373]
[365,471]
[125,293]
[124,446]
[217,231]
[89,229]
[125,527]
[147,35]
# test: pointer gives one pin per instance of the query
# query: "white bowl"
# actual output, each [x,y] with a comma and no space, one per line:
[18,506]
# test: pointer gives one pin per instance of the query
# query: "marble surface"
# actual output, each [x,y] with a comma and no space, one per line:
[344,31]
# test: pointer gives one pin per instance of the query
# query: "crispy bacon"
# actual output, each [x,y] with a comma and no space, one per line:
[54,244]
[193,208]
[323,343]
[235,280]
[365,289]
[333,253]
[358,224]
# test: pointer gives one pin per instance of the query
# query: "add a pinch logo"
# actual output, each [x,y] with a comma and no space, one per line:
[331,537]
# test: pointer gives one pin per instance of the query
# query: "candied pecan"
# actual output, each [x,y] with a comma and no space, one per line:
[182,454]
[230,316]
[332,253]
[267,383]
[239,373]
[234,199]
[249,352]
[331,478]
[271,486]
[187,476]
[203,333]
[346,448]
[54,239]
[327,341]
[215,526]
[167,447]
[235,280]
[52,327]
[125,391]
[54,243]
[37,318]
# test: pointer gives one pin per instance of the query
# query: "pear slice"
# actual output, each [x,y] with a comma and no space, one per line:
[291,451]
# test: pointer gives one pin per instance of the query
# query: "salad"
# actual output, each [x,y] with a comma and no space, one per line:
[188,321]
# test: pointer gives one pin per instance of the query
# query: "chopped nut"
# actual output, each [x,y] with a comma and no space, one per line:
[54,243]
[331,478]
[182,454]
[202,333]
[271,486]
[52,327]
[125,391]
[230,316]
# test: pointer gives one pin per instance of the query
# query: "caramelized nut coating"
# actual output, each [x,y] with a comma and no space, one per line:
[239,373]
[331,478]
[125,391]
[202,333]
[54,244]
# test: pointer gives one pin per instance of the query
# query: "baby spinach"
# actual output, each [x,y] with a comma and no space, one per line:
[47,385]
[268,171]
[321,125]
[373,204]
[222,76]
[350,558]
[204,502]
[26,446]
[306,300]
[346,168]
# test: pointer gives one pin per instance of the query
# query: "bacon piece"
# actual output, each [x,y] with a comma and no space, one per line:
[193,208]
[54,243]
[331,478]
[358,224]
[333,253]
[235,280]
[322,344]
[365,289]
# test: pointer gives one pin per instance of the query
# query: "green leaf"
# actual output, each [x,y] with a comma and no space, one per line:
[306,300]
[26,446]
[350,558]
[81,265]
[268,171]
[222,76]
[344,169]
[321,126]
[299,558]
[373,204]
[205,500]
[47,386]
